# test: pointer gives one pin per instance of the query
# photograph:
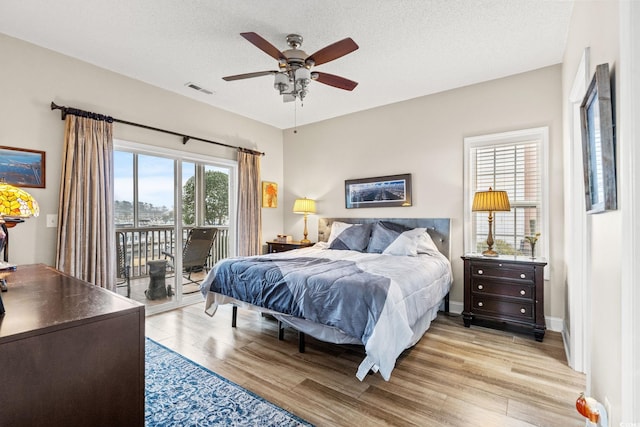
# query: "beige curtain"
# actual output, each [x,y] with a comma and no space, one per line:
[86,231]
[249,206]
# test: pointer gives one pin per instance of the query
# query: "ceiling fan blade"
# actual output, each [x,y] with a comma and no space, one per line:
[333,51]
[264,45]
[335,81]
[248,75]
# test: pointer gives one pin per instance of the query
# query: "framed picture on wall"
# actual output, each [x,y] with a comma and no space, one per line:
[378,192]
[269,194]
[22,167]
[598,144]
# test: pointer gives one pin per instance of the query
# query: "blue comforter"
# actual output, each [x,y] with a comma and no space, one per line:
[316,289]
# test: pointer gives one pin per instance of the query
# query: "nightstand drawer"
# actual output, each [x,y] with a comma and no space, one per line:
[279,247]
[480,286]
[503,271]
[492,307]
[273,247]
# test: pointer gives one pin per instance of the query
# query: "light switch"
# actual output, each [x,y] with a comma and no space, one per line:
[52,220]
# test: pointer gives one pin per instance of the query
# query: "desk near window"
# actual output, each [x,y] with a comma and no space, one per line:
[70,353]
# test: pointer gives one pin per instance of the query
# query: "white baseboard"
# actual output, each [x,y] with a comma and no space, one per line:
[555,324]
[456,307]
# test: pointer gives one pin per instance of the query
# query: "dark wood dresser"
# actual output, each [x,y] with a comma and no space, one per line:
[283,247]
[71,354]
[505,289]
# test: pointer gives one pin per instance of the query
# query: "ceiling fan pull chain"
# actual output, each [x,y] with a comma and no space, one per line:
[295,117]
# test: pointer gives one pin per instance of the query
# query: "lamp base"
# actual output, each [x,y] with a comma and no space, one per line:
[490,252]
[305,241]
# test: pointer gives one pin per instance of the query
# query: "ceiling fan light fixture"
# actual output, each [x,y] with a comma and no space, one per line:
[303,75]
[281,83]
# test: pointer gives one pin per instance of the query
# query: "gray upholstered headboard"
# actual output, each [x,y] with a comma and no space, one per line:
[438,228]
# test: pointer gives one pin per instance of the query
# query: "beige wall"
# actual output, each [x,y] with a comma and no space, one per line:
[424,137]
[594,24]
[31,77]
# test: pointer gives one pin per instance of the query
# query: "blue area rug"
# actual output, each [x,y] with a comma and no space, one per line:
[179,392]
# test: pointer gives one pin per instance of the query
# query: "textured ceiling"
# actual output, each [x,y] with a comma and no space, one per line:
[408,48]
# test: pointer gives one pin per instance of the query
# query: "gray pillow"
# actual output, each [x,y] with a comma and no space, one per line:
[394,239]
[354,237]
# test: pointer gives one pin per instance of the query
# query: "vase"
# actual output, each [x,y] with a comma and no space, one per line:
[533,249]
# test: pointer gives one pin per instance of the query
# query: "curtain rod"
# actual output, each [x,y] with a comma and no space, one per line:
[185,138]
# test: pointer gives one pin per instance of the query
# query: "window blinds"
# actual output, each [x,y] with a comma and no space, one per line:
[516,169]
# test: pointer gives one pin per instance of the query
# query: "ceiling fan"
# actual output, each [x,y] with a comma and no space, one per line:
[294,65]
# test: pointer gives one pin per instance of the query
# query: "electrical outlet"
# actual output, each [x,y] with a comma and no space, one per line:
[607,407]
[52,220]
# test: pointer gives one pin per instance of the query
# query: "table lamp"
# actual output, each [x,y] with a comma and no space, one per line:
[304,206]
[15,204]
[490,201]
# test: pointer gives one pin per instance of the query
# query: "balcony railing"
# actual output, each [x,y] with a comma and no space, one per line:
[146,244]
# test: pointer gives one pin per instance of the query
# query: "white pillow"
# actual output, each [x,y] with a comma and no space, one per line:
[426,244]
[406,244]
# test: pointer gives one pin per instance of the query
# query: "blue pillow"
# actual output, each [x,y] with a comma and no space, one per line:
[354,237]
[394,239]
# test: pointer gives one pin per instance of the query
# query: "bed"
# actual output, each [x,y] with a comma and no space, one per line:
[369,281]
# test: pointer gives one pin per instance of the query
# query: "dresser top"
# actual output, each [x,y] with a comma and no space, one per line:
[504,258]
[41,298]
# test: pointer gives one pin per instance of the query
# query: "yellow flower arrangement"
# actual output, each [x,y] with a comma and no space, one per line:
[532,239]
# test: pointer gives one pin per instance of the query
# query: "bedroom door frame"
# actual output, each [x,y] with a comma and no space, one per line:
[629,137]
[576,333]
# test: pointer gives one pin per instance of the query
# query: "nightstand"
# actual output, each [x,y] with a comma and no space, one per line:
[273,247]
[506,289]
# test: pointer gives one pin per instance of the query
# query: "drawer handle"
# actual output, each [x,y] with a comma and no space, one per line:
[480,287]
[523,292]
[523,311]
[480,271]
[480,304]
[522,276]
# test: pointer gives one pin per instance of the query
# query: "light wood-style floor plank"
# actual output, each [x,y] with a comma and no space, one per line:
[454,376]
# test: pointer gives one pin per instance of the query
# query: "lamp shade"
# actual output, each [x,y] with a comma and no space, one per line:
[15,202]
[304,206]
[490,201]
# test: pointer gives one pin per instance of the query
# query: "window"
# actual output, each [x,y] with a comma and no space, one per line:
[159,196]
[516,163]
[145,184]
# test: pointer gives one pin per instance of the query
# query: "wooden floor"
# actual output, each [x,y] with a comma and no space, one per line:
[455,376]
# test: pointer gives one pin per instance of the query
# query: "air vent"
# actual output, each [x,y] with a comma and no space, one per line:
[198,88]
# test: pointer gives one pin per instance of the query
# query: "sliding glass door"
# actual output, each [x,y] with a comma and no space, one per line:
[161,195]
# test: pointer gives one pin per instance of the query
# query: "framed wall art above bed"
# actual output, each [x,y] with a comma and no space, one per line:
[378,192]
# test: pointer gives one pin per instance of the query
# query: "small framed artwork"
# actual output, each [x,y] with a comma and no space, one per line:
[378,192]
[269,194]
[22,167]
[598,144]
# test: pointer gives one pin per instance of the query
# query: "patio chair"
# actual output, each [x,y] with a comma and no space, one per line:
[195,252]
[124,269]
